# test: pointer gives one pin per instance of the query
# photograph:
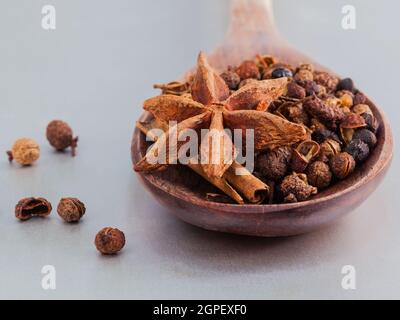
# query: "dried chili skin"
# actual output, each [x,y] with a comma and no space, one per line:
[28,208]
[110,241]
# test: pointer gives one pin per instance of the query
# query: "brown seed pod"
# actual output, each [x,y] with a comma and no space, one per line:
[303,154]
[361,108]
[319,175]
[295,91]
[330,147]
[295,188]
[60,136]
[304,75]
[24,151]
[342,165]
[352,121]
[329,115]
[248,70]
[327,80]
[110,240]
[32,207]
[71,209]
[273,164]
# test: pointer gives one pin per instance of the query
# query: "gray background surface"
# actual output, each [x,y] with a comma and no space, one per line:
[94,71]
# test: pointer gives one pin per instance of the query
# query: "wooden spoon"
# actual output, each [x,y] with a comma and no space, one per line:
[252,32]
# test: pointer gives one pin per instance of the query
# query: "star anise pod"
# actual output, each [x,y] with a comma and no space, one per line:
[213,106]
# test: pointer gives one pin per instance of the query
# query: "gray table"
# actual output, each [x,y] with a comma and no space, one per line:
[94,71]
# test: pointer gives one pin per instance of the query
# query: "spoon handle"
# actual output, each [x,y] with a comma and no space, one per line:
[252,18]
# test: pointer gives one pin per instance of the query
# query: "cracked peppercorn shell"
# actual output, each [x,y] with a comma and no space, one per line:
[28,208]
[342,165]
[60,136]
[24,151]
[109,240]
[319,175]
[274,164]
[71,209]
[366,136]
[358,149]
[329,148]
[296,184]
[248,70]
[231,78]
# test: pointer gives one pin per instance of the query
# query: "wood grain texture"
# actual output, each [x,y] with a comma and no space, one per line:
[184,192]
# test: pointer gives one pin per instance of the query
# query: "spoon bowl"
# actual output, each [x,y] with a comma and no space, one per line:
[183,192]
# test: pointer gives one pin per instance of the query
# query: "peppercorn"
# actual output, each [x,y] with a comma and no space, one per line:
[342,165]
[248,70]
[296,188]
[60,136]
[346,98]
[371,121]
[32,207]
[352,121]
[281,73]
[310,86]
[358,149]
[366,136]
[273,164]
[329,115]
[321,134]
[319,175]
[327,80]
[329,148]
[24,151]
[315,124]
[303,154]
[110,240]
[231,78]
[295,91]
[345,84]
[304,75]
[361,108]
[71,209]
[360,98]
[294,112]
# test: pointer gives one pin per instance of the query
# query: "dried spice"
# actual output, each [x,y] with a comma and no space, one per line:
[358,149]
[342,165]
[32,207]
[109,240]
[319,175]
[24,151]
[71,209]
[60,136]
[295,188]
[308,125]
[304,154]
[274,164]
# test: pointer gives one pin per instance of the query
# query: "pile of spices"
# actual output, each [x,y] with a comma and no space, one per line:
[311,128]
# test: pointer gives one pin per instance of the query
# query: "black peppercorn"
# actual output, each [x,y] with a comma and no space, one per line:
[281,73]
[345,84]
[60,136]
[342,165]
[366,136]
[231,78]
[319,175]
[320,135]
[358,149]
[296,188]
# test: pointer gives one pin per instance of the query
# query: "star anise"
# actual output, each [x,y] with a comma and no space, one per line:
[211,105]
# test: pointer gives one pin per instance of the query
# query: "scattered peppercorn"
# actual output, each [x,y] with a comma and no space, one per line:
[281,73]
[32,207]
[274,164]
[60,136]
[295,188]
[24,151]
[109,240]
[248,70]
[319,175]
[358,149]
[342,165]
[366,136]
[231,78]
[345,84]
[296,91]
[71,209]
